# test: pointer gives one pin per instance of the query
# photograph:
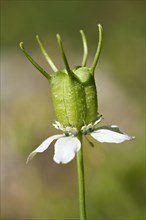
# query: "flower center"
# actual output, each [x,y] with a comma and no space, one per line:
[73,131]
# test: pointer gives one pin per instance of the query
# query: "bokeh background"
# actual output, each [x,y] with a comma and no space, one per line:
[115,180]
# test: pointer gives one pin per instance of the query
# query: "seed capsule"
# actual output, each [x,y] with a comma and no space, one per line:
[90,93]
[73,91]
[69,99]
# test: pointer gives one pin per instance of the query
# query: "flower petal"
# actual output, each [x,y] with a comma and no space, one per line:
[65,149]
[43,146]
[110,134]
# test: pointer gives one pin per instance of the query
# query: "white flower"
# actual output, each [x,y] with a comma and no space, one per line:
[65,148]
[110,134]
[67,144]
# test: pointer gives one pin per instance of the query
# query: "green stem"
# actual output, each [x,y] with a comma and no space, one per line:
[81,181]
[47,57]
[65,58]
[97,54]
[34,62]
[63,53]
[85,48]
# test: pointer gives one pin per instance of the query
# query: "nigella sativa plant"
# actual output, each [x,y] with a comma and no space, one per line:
[75,102]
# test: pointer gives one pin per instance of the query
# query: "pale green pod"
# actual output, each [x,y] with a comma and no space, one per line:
[73,91]
[91,102]
[69,99]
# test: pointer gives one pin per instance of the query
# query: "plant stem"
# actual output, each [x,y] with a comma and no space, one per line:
[34,62]
[85,48]
[81,181]
[97,54]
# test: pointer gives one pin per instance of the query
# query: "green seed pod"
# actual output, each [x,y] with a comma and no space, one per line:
[73,91]
[69,99]
[90,93]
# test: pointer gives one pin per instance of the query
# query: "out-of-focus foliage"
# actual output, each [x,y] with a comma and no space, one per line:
[114,173]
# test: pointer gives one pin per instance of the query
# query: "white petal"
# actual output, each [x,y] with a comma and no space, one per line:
[110,134]
[43,146]
[65,149]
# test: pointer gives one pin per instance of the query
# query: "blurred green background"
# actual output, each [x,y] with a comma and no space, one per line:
[115,179]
